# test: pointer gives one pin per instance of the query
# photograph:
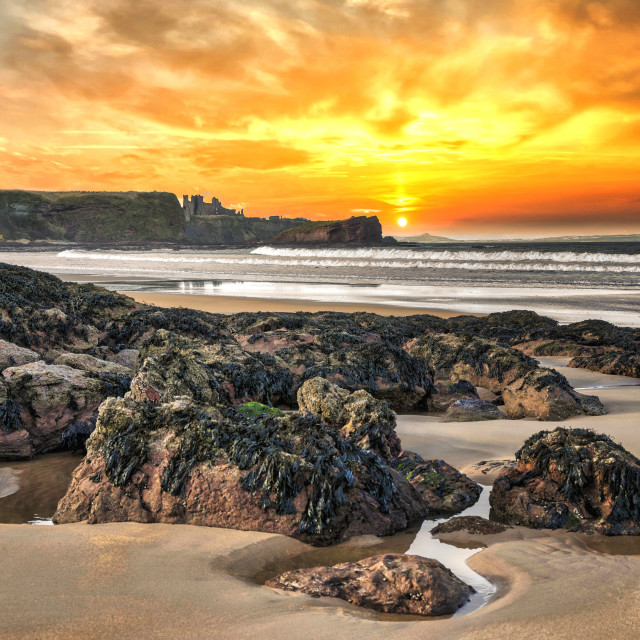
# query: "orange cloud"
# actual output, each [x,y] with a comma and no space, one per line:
[464,117]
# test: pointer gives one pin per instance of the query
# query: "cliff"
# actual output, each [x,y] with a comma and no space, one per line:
[134,217]
[102,216]
[355,230]
[233,229]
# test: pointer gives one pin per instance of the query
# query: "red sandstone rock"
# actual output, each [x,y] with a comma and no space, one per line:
[52,397]
[391,583]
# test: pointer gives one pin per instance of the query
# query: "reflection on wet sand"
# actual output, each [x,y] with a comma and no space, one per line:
[41,484]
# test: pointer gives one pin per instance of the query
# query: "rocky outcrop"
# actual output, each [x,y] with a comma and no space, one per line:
[472,410]
[369,422]
[184,462]
[612,363]
[391,583]
[354,230]
[574,479]
[443,488]
[174,366]
[474,525]
[546,395]
[477,360]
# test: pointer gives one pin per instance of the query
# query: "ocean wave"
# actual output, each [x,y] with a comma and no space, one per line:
[76,254]
[432,264]
[447,254]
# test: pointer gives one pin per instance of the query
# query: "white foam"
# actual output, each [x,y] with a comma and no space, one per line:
[448,254]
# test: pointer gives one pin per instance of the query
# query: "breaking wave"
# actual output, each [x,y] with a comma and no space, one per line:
[449,255]
[530,261]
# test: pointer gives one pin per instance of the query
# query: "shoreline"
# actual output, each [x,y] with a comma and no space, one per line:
[237,304]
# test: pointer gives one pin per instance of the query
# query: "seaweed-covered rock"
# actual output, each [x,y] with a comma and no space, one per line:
[369,422]
[571,478]
[74,438]
[481,362]
[183,462]
[472,410]
[11,355]
[506,327]
[612,363]
[391,583]
[447,393]
[545,394]
[52,397]
[174,366]
[443,488]
[386,372]
[15,441]
[474,525]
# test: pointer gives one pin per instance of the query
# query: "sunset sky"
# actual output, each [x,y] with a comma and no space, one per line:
[470,118]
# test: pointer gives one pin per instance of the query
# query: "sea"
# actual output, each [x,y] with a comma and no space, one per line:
[568,281]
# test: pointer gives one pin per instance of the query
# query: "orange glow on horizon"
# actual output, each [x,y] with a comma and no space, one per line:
[470,119]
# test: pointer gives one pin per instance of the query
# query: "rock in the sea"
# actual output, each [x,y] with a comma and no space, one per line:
[369,422]
[51,398]
[477,360]
[11,355]
[183,462]
[571,478]
[391,583]
[443,488]
[474,525]
[546,395]
[472,410]
[354,230]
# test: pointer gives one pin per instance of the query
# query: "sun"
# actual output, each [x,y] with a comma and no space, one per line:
[402,222]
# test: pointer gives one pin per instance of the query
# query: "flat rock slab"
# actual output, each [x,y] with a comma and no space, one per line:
[473,410]
[470,524]
[390,583]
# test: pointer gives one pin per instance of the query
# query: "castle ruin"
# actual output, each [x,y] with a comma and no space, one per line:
[198,207]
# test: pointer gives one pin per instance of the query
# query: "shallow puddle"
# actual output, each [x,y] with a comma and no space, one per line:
[42,482]
[417,541]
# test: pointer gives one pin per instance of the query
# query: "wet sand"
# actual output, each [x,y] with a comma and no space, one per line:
[233,304]
[160,581]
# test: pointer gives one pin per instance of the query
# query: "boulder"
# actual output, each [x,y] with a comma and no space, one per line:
[443,488]
[183,462]
[481,362]
[447,393]
[474,525]
[546,395]
[472,410]
[11,355]
[369,422]
[174,366]
[571,478]
[386,372]
[612,363]
[391,583]
[51,398]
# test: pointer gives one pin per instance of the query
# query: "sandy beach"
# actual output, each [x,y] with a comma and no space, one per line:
[162,581]
[233,304]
